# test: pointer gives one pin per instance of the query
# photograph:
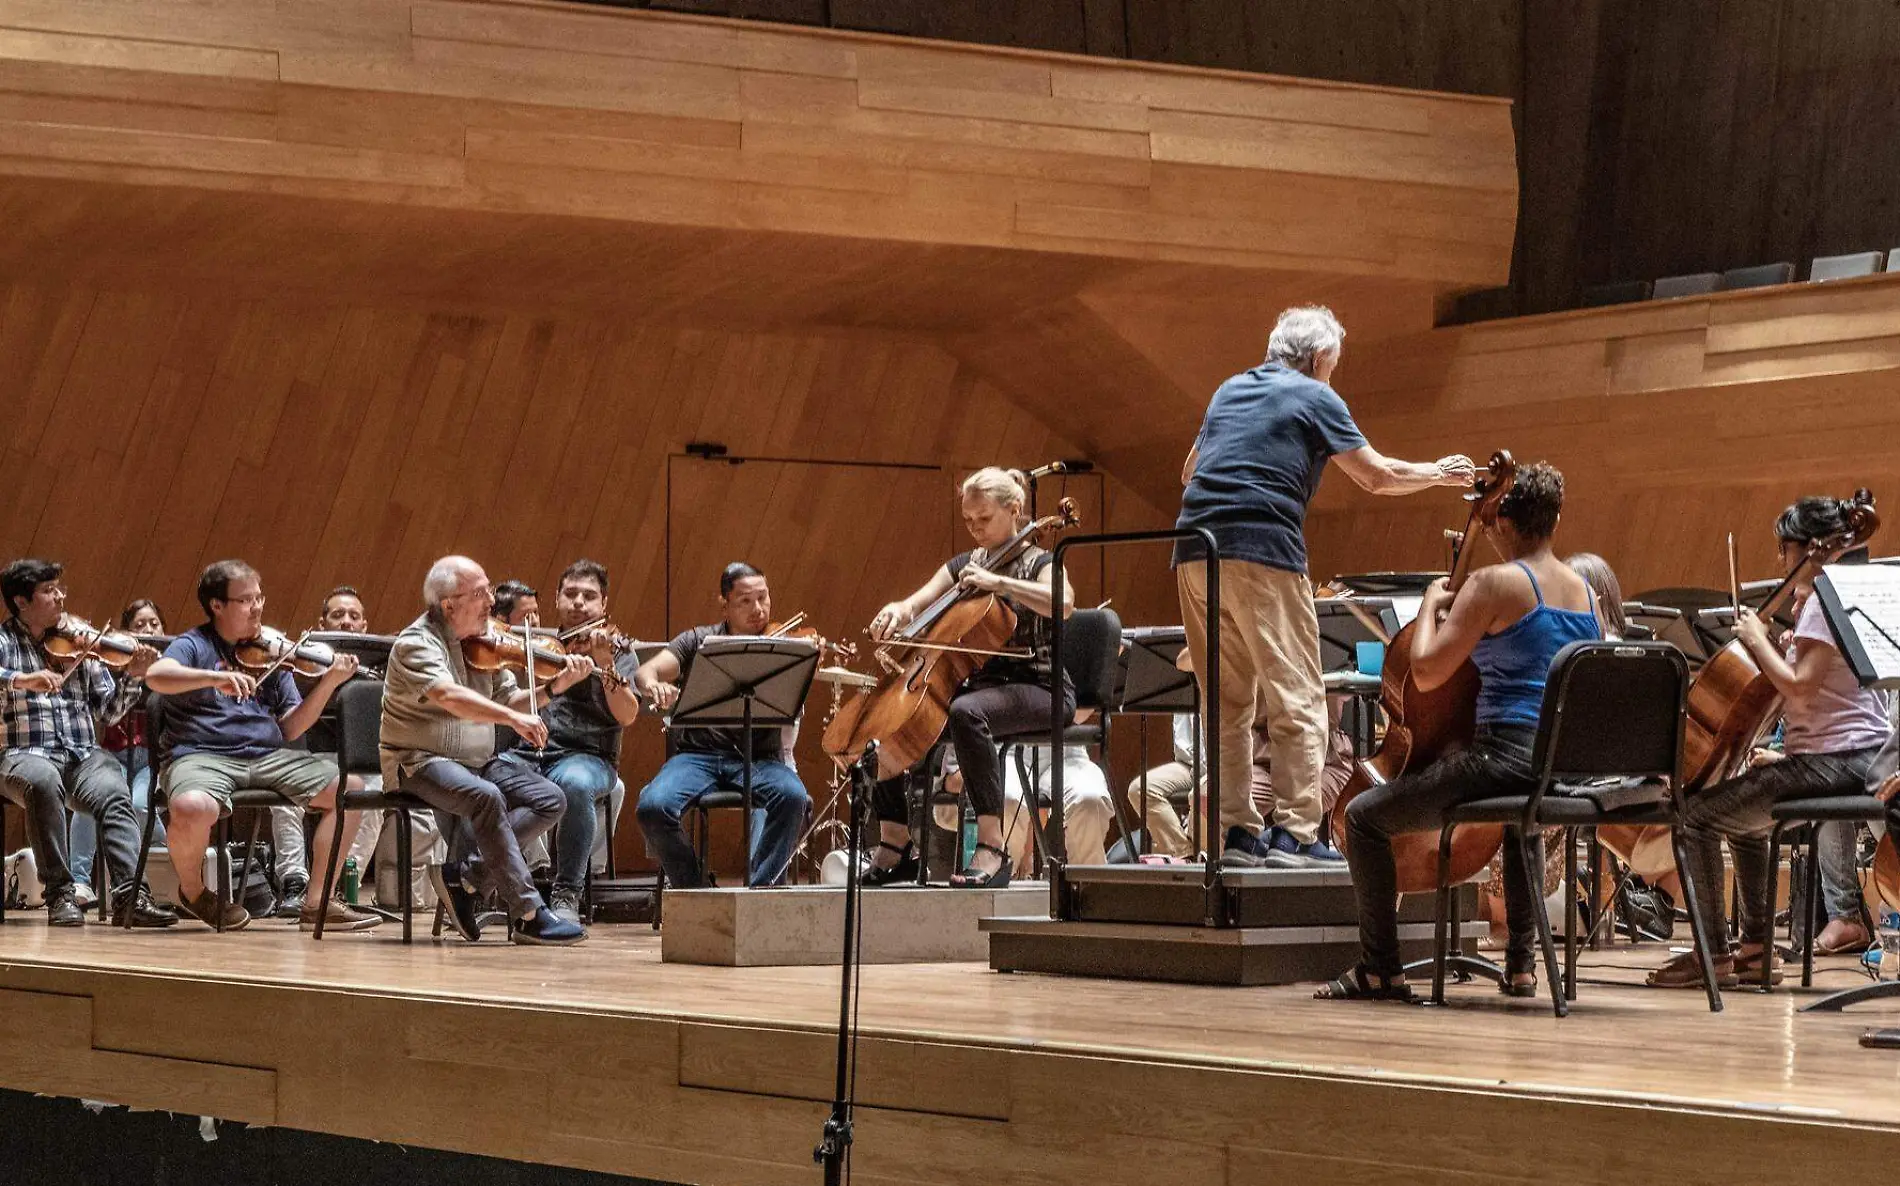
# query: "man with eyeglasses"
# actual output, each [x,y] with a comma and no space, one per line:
[226,731]
[438,743]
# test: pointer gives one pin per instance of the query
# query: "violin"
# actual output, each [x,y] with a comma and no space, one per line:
[1731,705]
[73,640]
[502,646]
[1422,726]
[828,651]
[927,661]
[273,650]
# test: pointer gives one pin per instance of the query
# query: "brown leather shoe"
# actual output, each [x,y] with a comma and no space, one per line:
[204,908]
[341,917]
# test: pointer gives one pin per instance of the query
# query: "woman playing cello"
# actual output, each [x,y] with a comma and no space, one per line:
[1510,620]
[1833,727]
[1006,695]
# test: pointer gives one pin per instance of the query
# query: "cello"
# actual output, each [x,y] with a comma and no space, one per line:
[1423,726]
[1731,704]
[927,661]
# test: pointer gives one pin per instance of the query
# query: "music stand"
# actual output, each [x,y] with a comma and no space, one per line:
[1152,685]
[751,682]
[1342,626]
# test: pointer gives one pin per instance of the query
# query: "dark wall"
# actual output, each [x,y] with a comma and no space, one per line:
[1655,136]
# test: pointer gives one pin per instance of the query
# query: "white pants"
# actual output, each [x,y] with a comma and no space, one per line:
[1086,808]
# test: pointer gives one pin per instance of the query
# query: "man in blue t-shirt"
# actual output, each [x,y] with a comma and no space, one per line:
[226,730]
[1257,462]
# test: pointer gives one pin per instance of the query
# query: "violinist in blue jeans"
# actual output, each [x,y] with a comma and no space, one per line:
[708,759]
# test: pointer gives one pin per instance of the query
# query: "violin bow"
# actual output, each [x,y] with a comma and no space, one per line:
[1734,583]
[278,663]
[527,664]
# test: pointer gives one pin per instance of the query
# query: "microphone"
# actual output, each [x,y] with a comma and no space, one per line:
[1068,466]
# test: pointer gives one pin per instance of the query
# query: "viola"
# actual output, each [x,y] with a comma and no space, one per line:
[927,661]
[1423,726]
[828,651]
[502,646]
[1731,705]
[73,640]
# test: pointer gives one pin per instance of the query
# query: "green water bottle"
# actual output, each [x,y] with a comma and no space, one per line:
[349,881]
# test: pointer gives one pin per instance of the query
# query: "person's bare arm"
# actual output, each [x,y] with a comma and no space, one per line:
[1376,473]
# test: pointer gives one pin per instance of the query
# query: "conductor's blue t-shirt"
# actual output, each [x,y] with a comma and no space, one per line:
[1263,449]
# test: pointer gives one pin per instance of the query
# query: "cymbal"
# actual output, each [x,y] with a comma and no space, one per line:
[844,676]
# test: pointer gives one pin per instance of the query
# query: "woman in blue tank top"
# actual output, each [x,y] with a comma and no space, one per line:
[1510,620]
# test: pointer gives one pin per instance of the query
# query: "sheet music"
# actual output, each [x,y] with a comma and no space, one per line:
[1863,606]
[1406,608]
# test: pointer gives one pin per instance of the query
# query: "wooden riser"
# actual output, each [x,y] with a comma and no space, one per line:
[804,924]
[1238,956]
[1174,895]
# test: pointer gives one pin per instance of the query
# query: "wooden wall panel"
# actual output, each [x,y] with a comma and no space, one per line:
[1674,423]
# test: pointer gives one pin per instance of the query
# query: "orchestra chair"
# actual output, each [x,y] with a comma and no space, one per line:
[1845,267]
[698,834]
[1758,276]
[358,717]
[159,757]
[1091,657]
[1813,812]
[1608,735]
[1624,292]
[1694,284]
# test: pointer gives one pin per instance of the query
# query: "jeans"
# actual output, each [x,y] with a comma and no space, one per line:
[93,785]
[1498,763]
[779,808]
[83,837]
[977,715]
[495,810]
[1737,810]
[1837,849]
[586,781]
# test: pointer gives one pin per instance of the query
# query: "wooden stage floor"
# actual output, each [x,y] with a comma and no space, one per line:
[686,1073]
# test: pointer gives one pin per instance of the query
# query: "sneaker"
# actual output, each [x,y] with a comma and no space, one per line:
[546,929]
[63,910]
[341,917]
[460,906]
[146,914]
[1322,855]
[1648,913]
[1279,850]
[566,904]
[1243,849]
[83,893]
[292,903]
[204,908]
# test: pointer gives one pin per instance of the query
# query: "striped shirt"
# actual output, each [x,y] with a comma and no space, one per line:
[57,725]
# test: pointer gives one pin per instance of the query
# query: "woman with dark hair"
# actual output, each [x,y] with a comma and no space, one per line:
[125,740]
[1831,730]
[1510,620]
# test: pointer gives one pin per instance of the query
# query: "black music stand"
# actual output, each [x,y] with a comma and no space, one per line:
[1152,685]
[751,682]
[1342,627]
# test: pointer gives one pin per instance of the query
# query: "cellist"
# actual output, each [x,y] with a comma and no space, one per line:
[1510,620]
[1006,695]
[1833,727]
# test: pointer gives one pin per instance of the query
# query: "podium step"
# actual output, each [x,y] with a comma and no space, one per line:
[1240,956]
[1174,895]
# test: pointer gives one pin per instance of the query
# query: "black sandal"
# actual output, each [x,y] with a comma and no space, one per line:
[904,870]
[1508,986]
[974,878]
[1355,984]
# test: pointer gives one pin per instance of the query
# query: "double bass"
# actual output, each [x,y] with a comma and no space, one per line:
[927,661]
[1731,704]
[1423,726]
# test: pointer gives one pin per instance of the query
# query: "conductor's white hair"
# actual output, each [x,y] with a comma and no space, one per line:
[1302,334]
[445,576]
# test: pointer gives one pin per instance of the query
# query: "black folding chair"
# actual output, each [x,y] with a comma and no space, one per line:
[1608,735]
[358,706]
[1813,812]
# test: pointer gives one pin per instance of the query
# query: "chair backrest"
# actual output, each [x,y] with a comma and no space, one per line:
[1612,708]
[156,749]
[1843,267]
[1758,276]
[1091,654]
[1694,284]
[358,706]
[1622,292]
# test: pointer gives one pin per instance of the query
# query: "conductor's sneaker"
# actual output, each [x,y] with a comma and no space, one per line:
[146,914]
[1243,849]
[546,929]
[204,908]
[1321,855]
[566,904]
[63,909]
[461,907]
[1279,850]
[341,917]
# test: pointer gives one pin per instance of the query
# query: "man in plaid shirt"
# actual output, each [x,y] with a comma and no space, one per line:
[53,759]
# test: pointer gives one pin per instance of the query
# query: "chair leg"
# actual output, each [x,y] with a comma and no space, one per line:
[659,894]
[1704,952]
[1768,909]
[1597,909]
[1441,912]
[329,877]
[1570,912]
[145,853]
[1816,913]
[405,864]
[1530,852]
[221,857]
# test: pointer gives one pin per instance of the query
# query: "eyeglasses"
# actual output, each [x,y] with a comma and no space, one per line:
[255,599]
[481,590]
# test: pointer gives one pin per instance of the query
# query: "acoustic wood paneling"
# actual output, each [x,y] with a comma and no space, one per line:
[540,109]
[1674,423]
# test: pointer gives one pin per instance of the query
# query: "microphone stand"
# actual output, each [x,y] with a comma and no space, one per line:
[834,1147]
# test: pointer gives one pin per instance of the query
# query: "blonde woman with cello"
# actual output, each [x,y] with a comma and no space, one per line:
[1010,692]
